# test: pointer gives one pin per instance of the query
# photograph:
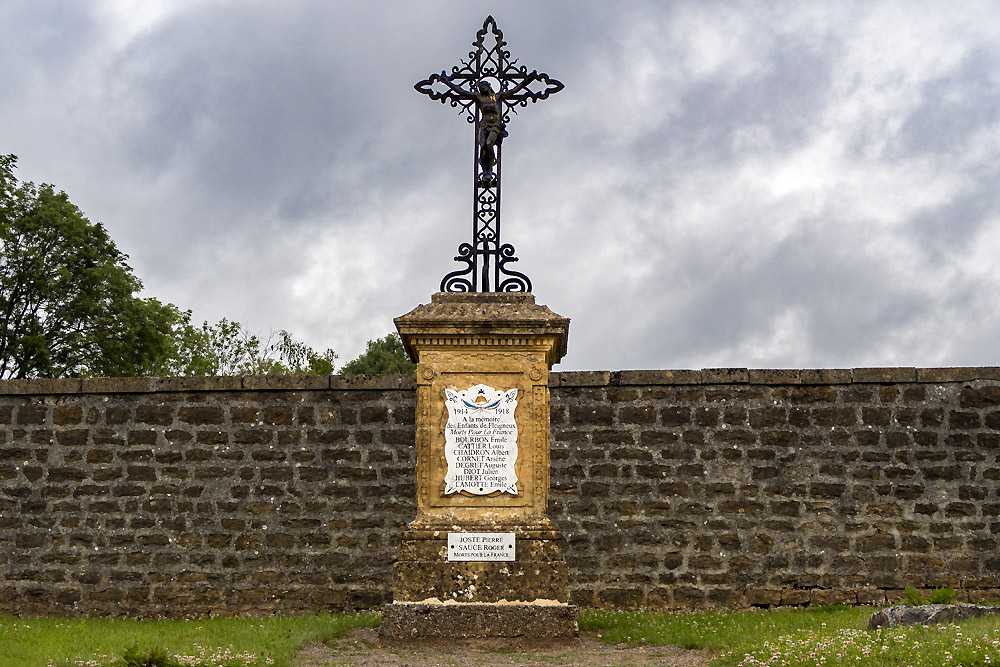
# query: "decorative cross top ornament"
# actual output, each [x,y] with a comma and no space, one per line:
[488,87]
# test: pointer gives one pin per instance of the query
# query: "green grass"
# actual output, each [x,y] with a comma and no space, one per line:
[827,636]
[716,630]
[35,641]
[971,643]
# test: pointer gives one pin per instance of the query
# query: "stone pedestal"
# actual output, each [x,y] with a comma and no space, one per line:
[480,347]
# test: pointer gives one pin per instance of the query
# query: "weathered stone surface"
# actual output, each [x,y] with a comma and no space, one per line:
[505,345]
[42,386]
[774,376]
[286,382]
[117,385]
[959,374]
[645,378]
[461,315]
[639,503]
[477,621]
[928,614]
[825,376]
[122,469]
[501,340]
[194,383]
[883,375]
[580,379]
[725,375]
[523,581]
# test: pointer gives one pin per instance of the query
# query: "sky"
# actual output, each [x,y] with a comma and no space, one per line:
[720,184]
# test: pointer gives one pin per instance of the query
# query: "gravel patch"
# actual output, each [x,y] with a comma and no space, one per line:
[364,648]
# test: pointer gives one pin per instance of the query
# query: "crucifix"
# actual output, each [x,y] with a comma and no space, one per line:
[487,87]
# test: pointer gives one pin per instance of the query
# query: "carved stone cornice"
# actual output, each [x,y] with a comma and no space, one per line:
[483,319]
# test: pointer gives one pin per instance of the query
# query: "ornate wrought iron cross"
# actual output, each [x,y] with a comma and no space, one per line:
[488,87]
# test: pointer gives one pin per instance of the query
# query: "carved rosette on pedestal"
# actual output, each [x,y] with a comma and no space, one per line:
[482,471]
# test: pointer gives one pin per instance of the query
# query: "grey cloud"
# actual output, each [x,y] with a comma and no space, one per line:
[273,164]
[243,115]
[942,231]
[42,40]
[955,108]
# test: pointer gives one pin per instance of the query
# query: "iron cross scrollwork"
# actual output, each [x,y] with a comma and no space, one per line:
[488,87]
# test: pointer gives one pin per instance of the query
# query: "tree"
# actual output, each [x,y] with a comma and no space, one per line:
[381,356]
[68,306]
[227,348]
[67,296]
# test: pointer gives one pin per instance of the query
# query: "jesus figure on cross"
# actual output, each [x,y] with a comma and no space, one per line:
[492,129]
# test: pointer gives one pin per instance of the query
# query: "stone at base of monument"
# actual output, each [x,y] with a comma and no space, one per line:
[539,571]
[438,598]
[927,614]
[471,620]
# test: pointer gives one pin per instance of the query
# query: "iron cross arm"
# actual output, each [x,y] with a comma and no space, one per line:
[514,90]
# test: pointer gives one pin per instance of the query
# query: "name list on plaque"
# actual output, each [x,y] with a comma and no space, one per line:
[480,546]
[481,440]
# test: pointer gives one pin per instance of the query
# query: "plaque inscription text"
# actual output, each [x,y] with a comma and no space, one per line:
[481,440]
[480,546]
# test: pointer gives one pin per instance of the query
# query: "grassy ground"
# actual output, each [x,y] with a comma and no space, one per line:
[821,636]
[716,630]
[36,641]
[972,643]
[826,636]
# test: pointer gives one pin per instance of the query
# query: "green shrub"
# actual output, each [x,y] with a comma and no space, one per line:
[912,597]
[154,657]
[943,595]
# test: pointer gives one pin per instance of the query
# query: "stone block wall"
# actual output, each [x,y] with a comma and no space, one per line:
[183,496]
[735,487]
[188,496]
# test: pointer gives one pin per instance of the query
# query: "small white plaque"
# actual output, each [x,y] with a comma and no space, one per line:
[480,546]
[480,440]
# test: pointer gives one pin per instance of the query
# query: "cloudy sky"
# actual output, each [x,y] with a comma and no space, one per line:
[759,184]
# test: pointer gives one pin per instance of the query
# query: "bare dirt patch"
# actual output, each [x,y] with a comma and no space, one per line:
[364,648]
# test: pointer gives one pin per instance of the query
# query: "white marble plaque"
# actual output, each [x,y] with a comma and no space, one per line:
[480,546]
[480,440]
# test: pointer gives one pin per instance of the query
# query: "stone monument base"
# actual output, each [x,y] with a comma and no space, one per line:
[473,620]
[481,560]
[423,571]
